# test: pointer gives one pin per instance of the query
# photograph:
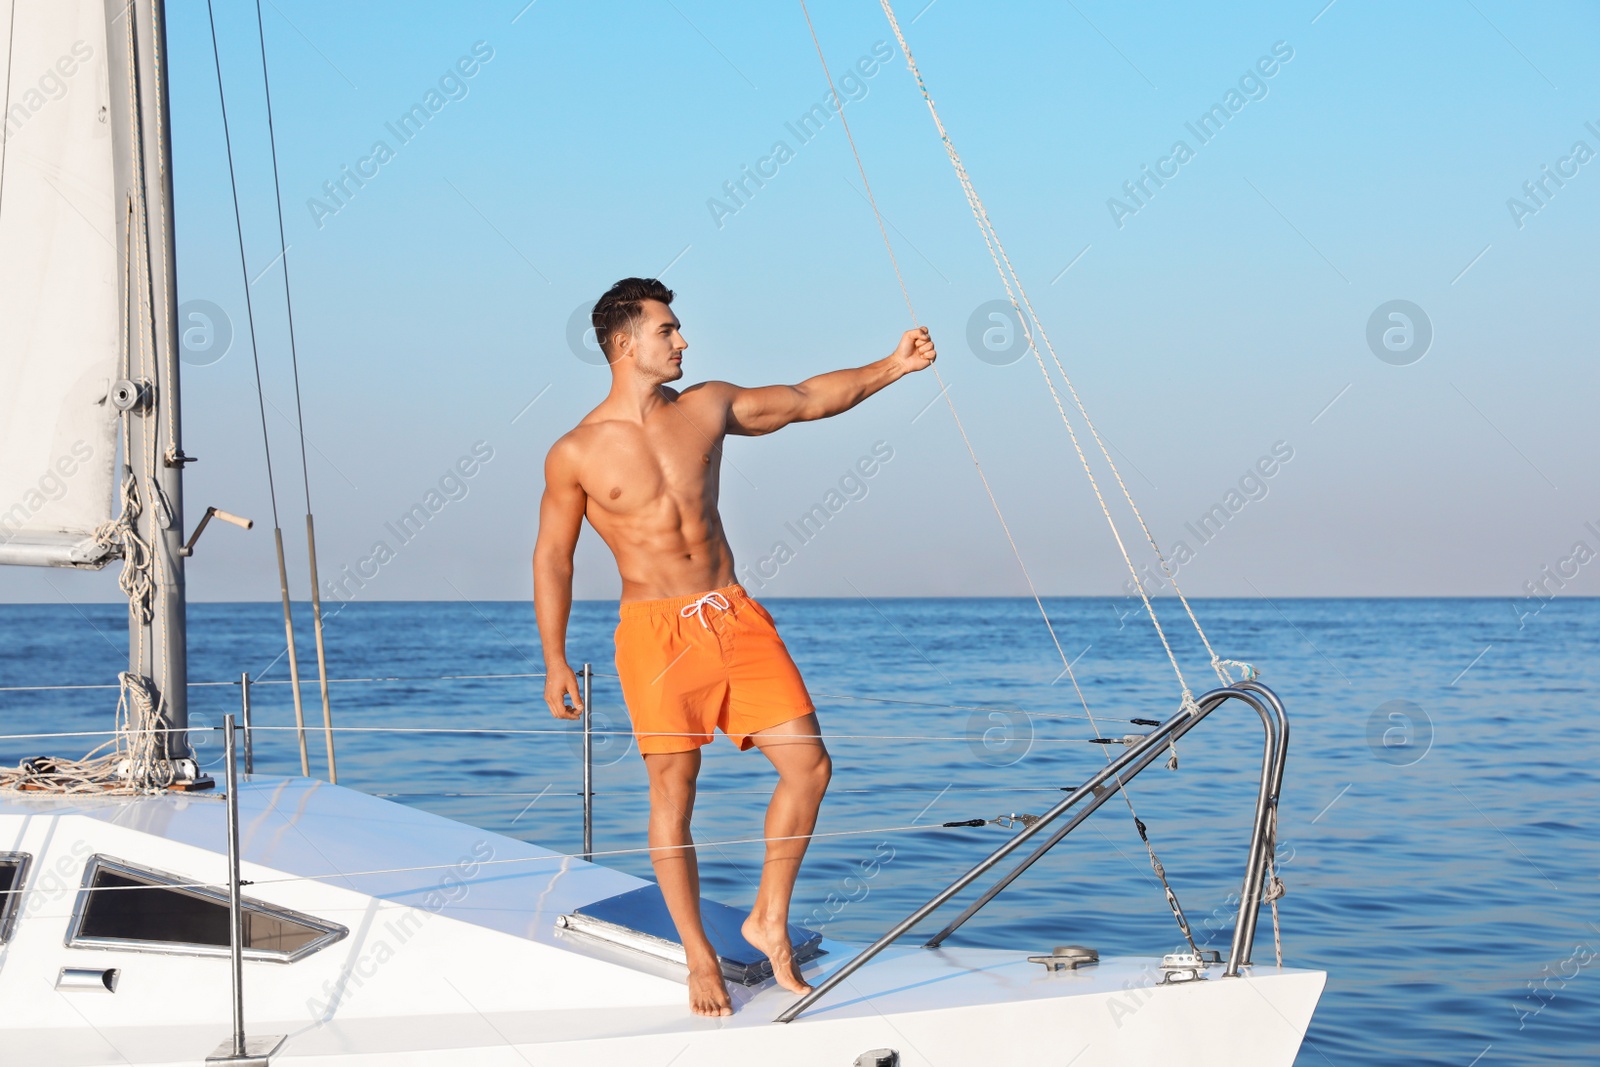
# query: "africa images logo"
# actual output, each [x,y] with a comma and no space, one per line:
[1399,332]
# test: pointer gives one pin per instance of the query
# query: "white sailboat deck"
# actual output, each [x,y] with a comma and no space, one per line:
[453,955]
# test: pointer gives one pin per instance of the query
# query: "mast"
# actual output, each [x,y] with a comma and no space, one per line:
[154,459]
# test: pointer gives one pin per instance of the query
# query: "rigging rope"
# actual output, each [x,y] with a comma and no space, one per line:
[140,737]
[133,762]
[261,402]
[146,573]
[162,517]
[299,411]
[138,251]
[283,254]
[120,535]
[992,241]
[944,389]
[1275,887]
[1019,301]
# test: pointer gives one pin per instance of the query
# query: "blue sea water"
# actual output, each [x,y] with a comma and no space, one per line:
[1439,833]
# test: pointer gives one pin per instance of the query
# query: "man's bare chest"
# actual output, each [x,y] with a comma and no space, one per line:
[647,467]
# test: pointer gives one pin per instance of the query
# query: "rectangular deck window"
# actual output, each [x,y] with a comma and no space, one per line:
[128,907]
[13,876]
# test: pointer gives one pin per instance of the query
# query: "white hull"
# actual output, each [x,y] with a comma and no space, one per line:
[463,963]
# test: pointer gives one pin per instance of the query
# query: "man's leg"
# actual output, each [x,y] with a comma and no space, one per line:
[803,771]
[672,783]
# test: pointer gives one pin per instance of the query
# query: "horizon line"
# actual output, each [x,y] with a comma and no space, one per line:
[948,596]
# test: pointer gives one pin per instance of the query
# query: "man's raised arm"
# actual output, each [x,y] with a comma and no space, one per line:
[560,521]
[753,412]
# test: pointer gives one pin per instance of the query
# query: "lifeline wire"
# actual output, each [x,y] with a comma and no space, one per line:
[499,731]
[557,856]
[504,731]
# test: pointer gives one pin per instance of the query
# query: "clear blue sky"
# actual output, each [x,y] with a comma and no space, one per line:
[1219,319]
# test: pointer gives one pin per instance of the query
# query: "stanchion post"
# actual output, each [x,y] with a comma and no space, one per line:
[235,918]
[237,1050]
[588,765]
[244,717]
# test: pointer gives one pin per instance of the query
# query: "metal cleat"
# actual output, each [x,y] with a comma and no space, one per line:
[1067,958]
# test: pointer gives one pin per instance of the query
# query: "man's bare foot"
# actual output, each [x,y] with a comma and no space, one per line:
[708,995]
[773,939]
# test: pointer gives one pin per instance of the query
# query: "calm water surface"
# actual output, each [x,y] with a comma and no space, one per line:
[1441,854]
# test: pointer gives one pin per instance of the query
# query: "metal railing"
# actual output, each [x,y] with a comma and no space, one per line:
[1095,792]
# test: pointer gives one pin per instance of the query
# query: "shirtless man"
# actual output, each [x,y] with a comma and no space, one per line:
[694,652]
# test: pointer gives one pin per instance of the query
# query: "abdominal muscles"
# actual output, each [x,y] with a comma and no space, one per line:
[665,550]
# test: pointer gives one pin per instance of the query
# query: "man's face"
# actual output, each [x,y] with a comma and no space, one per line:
[655,345]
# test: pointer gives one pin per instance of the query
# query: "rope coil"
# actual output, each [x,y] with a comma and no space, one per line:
[119,537]
[132,763]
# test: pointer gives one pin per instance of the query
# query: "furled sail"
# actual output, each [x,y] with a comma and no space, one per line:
[59,293]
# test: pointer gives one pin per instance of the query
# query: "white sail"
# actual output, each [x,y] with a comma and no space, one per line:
[59,295]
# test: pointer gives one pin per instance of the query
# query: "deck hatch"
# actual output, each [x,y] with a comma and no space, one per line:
[13,876]
[123,906]
[638,921]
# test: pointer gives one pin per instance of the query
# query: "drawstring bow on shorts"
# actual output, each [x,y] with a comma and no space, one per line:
[698,608]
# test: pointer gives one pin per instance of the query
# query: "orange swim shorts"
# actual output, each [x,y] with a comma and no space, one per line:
[693,664]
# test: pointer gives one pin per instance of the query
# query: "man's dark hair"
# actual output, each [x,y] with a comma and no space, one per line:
[620,309]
